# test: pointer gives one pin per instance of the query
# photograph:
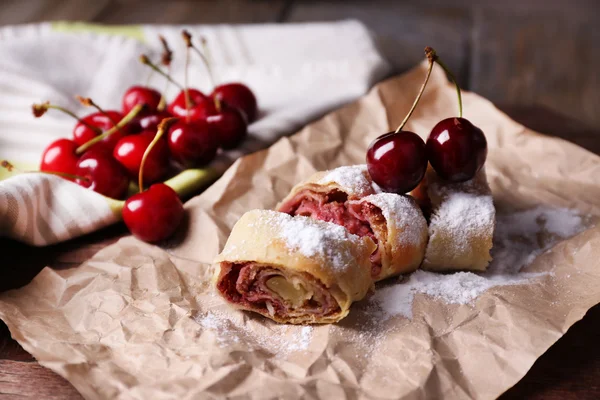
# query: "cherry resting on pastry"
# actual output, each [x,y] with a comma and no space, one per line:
[102,174]
[237,95]
[397,161]
[141,95]
[456,148]
[155,214]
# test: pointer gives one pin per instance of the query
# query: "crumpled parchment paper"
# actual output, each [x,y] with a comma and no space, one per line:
[140,321]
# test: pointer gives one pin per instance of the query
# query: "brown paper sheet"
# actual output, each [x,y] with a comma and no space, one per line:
[138,321]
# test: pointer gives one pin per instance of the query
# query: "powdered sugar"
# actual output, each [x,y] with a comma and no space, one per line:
[277,339]
[405,213]
[520,237]
[353,179]
[314,238]
[464,216]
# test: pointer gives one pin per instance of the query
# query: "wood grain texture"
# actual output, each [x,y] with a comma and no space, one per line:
[20,380]
[19,11]
[402,30]
[190,12]
[543,58]
[569,370]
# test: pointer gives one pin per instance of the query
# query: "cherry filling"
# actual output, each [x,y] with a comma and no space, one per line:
[334,207]
[246,284]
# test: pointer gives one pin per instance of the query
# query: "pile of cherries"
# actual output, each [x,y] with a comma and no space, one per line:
[148,140]
[455,148]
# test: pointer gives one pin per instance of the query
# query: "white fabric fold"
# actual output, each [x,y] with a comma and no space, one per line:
[298,72]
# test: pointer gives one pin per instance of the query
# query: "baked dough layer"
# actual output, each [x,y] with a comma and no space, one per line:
[312,260]
[461,226]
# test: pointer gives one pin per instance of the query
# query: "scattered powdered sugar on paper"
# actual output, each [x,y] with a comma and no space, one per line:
[278,339]
[519,238]
[402,209]
[353,179]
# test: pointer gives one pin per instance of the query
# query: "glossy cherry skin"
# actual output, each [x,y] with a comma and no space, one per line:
[192,143]
[155,214]
[230,126]
[149,122]
[397,161]
[141,95]
[200,105]
[456,149]
[82,133]
[60,156]
[238,95]
[104,174]
[130,151]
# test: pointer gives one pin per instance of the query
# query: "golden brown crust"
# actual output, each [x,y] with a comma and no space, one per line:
[341,262]
[402,233]
[328,182]
[462,224]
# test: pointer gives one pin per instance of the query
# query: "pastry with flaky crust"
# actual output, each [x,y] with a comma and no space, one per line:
[462,222]
[293,270]
[346,196]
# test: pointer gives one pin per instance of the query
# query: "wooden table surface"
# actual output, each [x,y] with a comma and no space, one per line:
[569,370]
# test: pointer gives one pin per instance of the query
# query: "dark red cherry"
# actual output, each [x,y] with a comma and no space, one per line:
[155,214]
[397,161]
[149,122]
[103,174]
[130,150]
[177,108]
[192,143]
[141,95]
[60,156]
[229,125]
[237,95]
[104,121]
[456,149]
[201,110]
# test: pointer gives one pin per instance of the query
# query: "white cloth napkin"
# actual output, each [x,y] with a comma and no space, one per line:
[298,72]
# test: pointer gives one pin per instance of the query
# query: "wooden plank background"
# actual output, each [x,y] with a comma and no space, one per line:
[526,55]
[517,52]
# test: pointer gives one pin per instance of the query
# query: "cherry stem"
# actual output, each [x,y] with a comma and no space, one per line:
[436,58]
[163,98]
[186,92]
[10,167]
[166,58]
[88,102]
[217,103]
[430,58]
[126,119]
[146,61]
[163,127]
[40,109]
[167,54]
[204,56]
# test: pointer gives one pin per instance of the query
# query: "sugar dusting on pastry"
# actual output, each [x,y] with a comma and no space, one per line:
[405,210]
[464,216]
[314,238]
[353,179]
[519,238]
